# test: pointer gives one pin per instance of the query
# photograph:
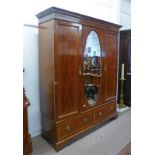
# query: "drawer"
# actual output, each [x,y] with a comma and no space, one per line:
[71,127]
[104,112]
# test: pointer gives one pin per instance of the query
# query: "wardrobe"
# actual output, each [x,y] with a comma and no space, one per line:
[78,57]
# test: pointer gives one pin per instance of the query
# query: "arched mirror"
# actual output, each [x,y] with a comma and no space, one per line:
[92,67]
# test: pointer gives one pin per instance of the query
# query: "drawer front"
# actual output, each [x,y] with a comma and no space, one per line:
[104,112]
[71,127]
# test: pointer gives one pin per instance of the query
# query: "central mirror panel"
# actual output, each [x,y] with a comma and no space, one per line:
[92,68]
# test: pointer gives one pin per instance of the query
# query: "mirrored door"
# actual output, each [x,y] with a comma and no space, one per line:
[92,68]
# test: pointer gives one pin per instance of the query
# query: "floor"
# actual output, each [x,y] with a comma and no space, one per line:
[109,139]
[126,150]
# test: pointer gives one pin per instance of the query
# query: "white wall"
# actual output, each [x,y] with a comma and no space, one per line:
[31,78]
[125,14]
[108,10]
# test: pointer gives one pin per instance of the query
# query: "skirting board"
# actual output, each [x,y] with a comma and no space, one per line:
[36,133]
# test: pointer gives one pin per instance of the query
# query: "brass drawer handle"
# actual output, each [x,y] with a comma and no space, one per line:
[111,108]
[84,105]
[85,120]
[68,128]
[100,113]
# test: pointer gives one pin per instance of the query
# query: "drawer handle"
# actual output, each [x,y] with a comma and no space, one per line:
[111,108]
[84,105]
[68,128]
[85,120]
[100,113]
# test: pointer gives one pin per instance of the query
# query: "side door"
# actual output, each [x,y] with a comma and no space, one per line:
[111,66]
[67,47]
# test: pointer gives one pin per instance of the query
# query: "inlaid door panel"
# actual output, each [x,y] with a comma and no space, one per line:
[111,66]
[67,40]
[93,78]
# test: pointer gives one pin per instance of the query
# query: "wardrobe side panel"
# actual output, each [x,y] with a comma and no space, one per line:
[46,65]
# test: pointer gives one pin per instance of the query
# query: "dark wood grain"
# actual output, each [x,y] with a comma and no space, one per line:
[27,143]
[111,66]
[67,84]
[64,108]
[46,72]
[65,14]
[104,112]
[70,127]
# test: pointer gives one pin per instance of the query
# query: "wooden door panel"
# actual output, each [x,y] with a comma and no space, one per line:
[67,98]
[100,80]
[111,66]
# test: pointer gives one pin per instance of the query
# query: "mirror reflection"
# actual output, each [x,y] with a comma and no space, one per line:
[92,67]
[92,55]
